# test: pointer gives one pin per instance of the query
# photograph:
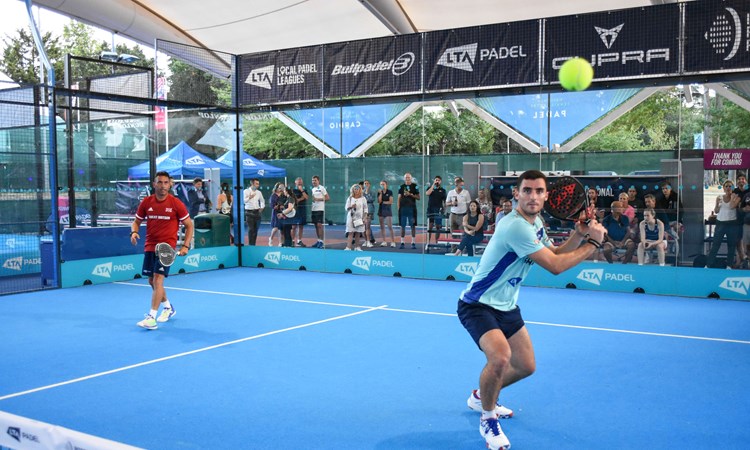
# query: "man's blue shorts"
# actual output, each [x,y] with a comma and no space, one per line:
[479,318]
[151,265]
[407,216]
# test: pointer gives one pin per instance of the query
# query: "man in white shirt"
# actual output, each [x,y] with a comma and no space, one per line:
[318,208]
[458,200]
[254,204]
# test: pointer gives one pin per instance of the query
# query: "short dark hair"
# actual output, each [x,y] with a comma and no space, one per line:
[197,180]
[162,173]
[316,177]
[438,177]
[253,180]
[531,175]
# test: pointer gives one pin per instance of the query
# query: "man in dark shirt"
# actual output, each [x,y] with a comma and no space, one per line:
[408,194]
[436,196]
[618,234]
[743,220]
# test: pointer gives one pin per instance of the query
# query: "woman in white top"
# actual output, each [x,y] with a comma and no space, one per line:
[356,209]
[726,225]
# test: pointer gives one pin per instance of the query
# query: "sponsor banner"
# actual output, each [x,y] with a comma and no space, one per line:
[717,35]
[726,159]
[680,281]
[484,56]
[389,65]
[281,76]
[123,268]
[283,258]
[629,43]
[20,263]
[563,115]
[380,263]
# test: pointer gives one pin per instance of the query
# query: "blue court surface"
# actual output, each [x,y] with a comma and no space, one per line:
[259,358]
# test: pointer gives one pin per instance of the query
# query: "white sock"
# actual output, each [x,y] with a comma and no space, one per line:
[488,415]
[166,304]
[153,313]
[402,240]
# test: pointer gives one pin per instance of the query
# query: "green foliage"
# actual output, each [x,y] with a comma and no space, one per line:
[729,125]
[20,57]
[188,84]
[271,139]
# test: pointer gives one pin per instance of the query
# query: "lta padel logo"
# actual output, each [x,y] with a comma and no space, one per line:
[106,270]
[193,260]
[366,262]
[468,269]
[593,276]
[740,285]
[261,77]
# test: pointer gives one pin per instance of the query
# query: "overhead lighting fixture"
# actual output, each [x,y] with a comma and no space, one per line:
[109,56]
[128,59]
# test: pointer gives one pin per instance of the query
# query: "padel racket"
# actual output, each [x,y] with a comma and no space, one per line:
[165,253]
[566,198]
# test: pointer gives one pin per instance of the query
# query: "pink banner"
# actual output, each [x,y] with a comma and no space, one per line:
[726,159]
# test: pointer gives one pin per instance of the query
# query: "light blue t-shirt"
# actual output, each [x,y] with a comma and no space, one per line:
[505,262]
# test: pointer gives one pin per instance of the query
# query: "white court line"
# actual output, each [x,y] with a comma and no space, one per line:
[580,327]
[179,355]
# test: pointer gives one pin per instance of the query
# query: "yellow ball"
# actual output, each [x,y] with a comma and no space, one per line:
[576,74]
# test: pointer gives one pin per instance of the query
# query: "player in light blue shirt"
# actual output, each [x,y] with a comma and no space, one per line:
[487,307]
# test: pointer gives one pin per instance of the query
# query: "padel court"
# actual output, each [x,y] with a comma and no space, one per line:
[258,358]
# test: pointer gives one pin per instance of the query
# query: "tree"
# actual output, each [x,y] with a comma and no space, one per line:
[271,139]
[21,59]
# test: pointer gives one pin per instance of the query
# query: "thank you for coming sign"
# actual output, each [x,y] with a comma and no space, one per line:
[726,159]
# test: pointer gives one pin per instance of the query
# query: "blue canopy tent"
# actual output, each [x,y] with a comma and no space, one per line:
[181,161]
[252,167]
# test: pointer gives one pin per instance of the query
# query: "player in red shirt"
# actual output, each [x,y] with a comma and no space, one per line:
[163,212]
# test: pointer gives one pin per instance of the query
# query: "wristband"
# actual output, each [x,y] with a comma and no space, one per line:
[133,232]
[594,242]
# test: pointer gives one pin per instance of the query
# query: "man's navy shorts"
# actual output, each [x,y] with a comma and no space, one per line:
[151,265]
[479,318]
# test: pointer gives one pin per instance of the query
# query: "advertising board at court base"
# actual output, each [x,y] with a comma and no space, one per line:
[726,159]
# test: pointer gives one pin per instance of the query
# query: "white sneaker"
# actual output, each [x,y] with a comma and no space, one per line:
[384,244]
[358,249]
[475,404]
[270,242]
[347,249]
[148,323]
[368,244]
[393,244]
[166,314]
[493,435]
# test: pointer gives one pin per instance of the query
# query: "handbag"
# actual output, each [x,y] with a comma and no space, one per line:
[358,222]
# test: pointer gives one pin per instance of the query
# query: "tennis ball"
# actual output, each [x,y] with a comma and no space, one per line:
[576,74]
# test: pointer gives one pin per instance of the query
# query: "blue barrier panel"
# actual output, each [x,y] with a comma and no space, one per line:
[440,267]
[122,268]
[283,258]
[380,263]
[19,255]
[100,270]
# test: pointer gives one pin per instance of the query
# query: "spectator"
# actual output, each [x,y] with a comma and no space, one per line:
[254,204]
[745,209]
[485,207]
[635,201]
[224,207]
[649,201]
[741,190]
[473,227]
[197,199]
[356,211]
[627,210]
[408,194]
[300,193]
[726,225]
[436,196]
[367,194]
[507,209]
[618,234]
[287,212]
[652,236]
[385,214]
[595,208]
[670,203]
[458,200]
[273,201]
[320,197]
